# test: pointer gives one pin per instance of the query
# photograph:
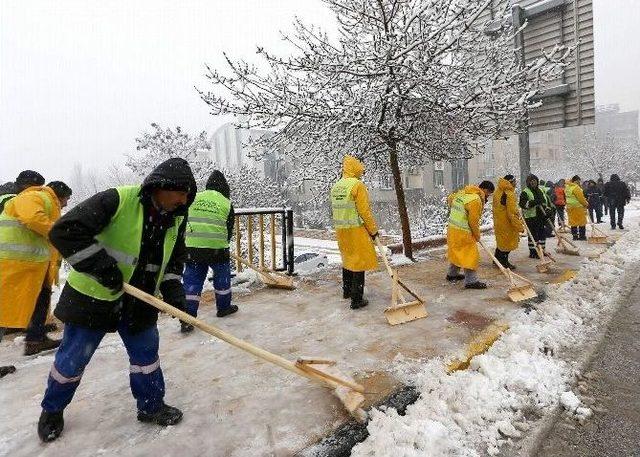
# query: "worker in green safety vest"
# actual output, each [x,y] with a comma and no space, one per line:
[536,209]
[209,230]
[132,234]
[355,230]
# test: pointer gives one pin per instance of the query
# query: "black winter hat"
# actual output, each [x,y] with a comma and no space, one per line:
[28,178]
[510,178]
[615,177]
[219,183]
[172,174]
[60,189]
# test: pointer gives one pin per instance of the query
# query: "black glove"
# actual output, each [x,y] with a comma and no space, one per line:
[374,236]
[111,278]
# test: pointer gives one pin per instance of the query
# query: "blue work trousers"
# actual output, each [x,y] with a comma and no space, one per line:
[193,280]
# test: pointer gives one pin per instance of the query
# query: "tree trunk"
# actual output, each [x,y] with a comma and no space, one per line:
[402,203]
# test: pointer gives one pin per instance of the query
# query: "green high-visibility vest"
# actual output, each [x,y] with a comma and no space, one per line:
[458,216]
[18,242]
[343,206]
[122,240]
[207,223]
[530,213]
[571,199]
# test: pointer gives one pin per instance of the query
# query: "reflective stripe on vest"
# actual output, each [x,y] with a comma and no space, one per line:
[207,223]
[18,242]
[122,239]
[343,206]
[570,197]
[458,216]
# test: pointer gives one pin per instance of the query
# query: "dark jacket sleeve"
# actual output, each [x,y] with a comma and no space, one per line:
[171,285]
[73,235]
[523,200]
[231,219]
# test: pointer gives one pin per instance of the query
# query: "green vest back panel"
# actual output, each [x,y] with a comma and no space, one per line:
[343,206]
[458,216]
[207,223]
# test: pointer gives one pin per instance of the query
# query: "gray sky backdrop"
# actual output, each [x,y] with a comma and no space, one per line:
[79,80]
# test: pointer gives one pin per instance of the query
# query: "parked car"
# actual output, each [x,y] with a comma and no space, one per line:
[308,261]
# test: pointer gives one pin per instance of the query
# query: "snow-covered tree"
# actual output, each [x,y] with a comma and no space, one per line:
[250,189]
[155,146]
[404,82]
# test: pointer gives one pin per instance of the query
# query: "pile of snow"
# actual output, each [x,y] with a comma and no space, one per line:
[526,374]
[241,283]
[574,407]
[398,260]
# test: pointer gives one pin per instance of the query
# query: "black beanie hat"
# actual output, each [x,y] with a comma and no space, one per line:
[60,189]
[510,177]
[29,178]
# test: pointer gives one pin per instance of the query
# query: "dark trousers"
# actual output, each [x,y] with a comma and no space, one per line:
[579,232]
[75,352]
[537,227]
[597,210]
[353,285]
[503,257]
[612,214]
[560,214]
[35,331]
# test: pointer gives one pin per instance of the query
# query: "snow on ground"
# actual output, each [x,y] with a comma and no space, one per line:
[523,376]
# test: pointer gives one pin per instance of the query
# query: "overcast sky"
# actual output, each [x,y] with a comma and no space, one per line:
[79,80]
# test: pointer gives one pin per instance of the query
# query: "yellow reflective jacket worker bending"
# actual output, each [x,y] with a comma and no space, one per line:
[463,231]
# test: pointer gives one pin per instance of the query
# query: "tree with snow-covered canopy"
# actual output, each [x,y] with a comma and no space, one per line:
[405,82]
[155,146]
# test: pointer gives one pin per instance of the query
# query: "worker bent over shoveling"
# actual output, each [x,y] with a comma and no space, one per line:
[132,234]
[463,233]
[355,230]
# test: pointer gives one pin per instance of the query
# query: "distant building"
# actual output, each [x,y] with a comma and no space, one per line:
[611,122]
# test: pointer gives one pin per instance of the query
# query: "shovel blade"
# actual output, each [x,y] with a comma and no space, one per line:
[597,240]
[521,293]
[279,282]
[405,312]
[543,267]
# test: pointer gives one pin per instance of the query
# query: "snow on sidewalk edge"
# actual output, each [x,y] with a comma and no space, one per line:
[521,378]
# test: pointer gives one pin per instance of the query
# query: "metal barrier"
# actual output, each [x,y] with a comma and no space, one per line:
[275,216]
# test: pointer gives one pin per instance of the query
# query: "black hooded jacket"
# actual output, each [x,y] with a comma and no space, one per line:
[75,231]
[617,191]
[209,256]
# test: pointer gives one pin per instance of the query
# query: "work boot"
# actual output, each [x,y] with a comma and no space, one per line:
[226,311]
[346,294]
[50,426]
[476,285]
[35,347]
[533,255]
[166,415]
[356,304]
[457,277]
[7,369]
[185,328]
[510,266]
[620,227]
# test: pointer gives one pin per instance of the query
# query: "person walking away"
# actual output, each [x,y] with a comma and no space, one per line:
[507,225]
[618,195]
[132,234]
[463,233]
[593,196]
[209,229]
[604,205]
[26,179]
[576,208]
[28,264]
[547,189]
[559,202]
[356,230]
[536,208]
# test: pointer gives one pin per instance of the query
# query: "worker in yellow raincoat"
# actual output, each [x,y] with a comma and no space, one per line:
[507,224]
[355,230]
[28,264]
[463,233]
[576,206]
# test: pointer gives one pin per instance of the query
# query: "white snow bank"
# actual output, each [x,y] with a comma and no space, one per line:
[400,259]
[524,375]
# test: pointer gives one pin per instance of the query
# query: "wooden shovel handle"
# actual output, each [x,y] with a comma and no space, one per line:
[558,235]
[384,256]
[234,341]
[251,267]
[503,270]
[539,249]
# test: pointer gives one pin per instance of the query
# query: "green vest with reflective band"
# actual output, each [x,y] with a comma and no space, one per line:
[207,223]
[458,216]
[570,198]
[530,213]
[4,199]
[343,206]
[122,240]
[18,242]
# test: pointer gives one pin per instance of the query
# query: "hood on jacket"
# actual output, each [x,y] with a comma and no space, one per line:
[531,177]
[504,184]
[471,189]
[352,167]
[8,188]
[219,183]
[172,174]
[615,177]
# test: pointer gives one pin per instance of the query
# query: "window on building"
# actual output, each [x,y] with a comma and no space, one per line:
[438,178]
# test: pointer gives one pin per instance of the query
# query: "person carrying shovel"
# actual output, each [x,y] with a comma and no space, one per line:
[130,234]
[506,221]
[355,230]
[576,209]
[536,208]
[463,233]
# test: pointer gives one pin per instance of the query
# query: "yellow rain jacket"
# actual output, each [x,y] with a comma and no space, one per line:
[462,246]
[507,224]
[20,280]
[577,214]
[355,244]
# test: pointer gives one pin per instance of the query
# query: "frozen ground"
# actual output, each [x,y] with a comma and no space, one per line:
[236,405]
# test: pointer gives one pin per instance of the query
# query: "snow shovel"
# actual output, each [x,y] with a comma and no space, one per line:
[348,391]
[521,288]
[400,311]
[270,279]
[545,263]
[564,245]
[596,236]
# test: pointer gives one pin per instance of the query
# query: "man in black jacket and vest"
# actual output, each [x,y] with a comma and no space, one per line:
[132,234]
